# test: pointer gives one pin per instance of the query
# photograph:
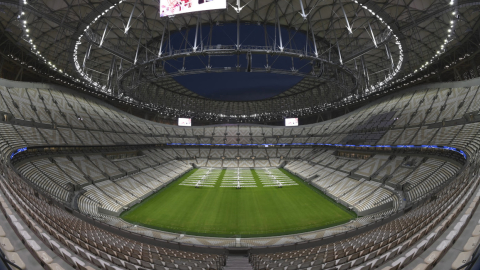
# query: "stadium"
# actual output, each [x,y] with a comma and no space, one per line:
[239,135]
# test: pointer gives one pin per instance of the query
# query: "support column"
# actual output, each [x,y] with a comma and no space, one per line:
[195,47]
[165,27]
[279,28]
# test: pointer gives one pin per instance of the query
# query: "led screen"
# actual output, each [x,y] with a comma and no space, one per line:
[174,7]
[185,122]
[291,122]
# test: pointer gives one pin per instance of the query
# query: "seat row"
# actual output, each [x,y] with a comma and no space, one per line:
[106,250]
[371,249]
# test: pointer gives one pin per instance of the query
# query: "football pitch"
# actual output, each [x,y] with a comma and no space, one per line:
[208,202]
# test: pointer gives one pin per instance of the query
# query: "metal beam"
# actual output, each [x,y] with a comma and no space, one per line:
[439,11]
[41,11]
[367,48]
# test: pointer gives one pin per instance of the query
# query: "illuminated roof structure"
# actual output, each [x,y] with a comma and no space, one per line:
[322,54]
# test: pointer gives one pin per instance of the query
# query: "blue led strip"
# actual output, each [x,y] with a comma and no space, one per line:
[322,144]
[18,151]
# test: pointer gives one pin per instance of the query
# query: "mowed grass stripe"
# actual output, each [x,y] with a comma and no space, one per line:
[231,212]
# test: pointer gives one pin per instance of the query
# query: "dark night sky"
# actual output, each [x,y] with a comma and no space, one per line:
[239,86]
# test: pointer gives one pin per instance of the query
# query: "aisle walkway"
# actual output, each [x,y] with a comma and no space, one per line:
[237,262]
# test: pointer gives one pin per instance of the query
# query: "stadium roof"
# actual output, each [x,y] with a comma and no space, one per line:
[320,53]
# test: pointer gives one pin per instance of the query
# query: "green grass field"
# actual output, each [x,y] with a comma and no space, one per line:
[229,212]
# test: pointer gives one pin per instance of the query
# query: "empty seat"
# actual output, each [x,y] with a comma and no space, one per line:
[471,243]
[14,258]
[461,259]
[44,257]
[432,257]
[6,245]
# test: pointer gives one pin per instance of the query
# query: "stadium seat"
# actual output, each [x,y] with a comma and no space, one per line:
[113,185]
[461,259]
[14,258]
